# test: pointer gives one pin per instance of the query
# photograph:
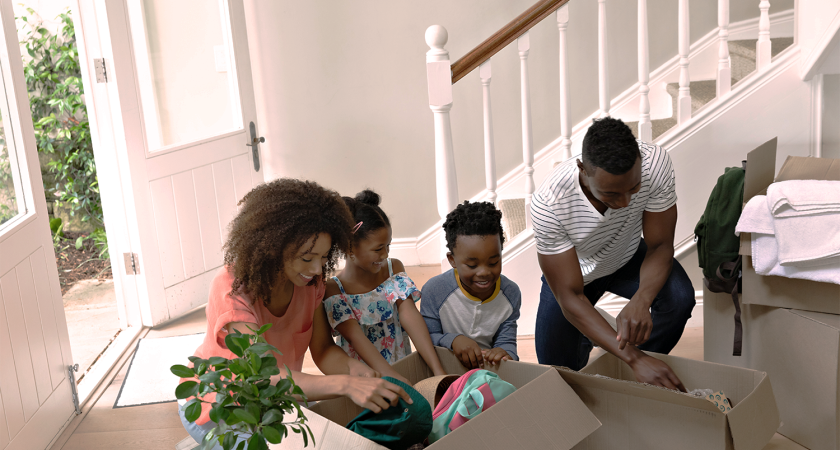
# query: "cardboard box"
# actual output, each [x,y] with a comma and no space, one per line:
[784,292]
[544,413]
[640,416]
[799,351]
[719,329]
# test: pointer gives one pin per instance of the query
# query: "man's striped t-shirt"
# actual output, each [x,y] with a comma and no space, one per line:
[564,218]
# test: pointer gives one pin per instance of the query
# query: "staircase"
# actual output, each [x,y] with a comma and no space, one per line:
[707,130]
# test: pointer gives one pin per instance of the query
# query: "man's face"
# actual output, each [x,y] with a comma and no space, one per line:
[614,191]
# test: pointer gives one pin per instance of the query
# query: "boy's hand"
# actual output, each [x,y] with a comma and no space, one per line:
[495,356]
[468,352]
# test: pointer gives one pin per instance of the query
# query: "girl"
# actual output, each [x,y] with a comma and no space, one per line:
[282,243]
[371,302]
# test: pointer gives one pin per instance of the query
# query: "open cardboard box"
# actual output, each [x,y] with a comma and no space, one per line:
[543,413]
[800,351]
[784,292]
[641,416]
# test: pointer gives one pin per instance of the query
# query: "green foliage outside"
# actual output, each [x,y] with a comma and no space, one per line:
[246,402]
[62,129]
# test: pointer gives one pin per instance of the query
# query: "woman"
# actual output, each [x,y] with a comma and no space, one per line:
[285,239]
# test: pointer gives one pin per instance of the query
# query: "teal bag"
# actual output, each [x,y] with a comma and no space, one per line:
[469,395]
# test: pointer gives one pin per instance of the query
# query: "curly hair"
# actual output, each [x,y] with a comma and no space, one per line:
[364,208]
[470,219]
[610,145]
[275,219]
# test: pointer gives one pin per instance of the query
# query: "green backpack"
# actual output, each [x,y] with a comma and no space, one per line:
[717,245]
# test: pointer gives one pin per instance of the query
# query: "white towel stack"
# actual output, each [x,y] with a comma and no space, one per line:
[795,230]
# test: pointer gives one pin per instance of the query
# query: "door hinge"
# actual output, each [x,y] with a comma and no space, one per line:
[132,263]
[99,68]
[255,146]
[71,370]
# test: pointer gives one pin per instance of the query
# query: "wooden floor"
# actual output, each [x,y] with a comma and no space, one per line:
[159,427]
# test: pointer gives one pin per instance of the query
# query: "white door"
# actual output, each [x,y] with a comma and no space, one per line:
[35,393]
[181,102]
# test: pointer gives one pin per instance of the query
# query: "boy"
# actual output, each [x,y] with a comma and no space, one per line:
[472,309]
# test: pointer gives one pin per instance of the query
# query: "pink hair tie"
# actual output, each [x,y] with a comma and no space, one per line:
[356,228]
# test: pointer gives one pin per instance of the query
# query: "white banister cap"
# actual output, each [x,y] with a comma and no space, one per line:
[436,37]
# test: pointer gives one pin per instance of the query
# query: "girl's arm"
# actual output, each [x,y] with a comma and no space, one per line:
[352,331]
[414,324]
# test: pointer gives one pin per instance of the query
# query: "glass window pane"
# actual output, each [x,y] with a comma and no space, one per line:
[11,197]
[186,70]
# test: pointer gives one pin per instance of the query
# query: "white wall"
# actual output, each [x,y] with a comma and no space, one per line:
[341,88]
[831,116]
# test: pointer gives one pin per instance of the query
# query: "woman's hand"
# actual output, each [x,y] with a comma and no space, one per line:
[360,369]
[373,393]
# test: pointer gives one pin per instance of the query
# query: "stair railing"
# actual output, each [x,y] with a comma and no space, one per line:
[442,75]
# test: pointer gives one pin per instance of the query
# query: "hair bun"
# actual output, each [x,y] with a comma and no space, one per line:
[368,197]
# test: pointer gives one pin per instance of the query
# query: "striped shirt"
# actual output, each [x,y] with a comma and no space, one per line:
[564,218]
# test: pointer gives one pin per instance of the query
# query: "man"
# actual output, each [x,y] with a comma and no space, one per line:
[588,219]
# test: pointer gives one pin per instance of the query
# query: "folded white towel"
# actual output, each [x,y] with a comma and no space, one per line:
[808,241]
[803,197]
[802,241]
[755,218]
[765,261]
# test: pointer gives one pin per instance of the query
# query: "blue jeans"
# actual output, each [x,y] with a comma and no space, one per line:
[559,343]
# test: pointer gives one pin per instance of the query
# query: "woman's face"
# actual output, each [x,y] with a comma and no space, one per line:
[371,253]
[307,262]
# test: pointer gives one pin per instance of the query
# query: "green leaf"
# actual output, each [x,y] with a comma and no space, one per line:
[210,377]
[261,348]
[233,345]
[244,416]
[271,416]
[217,360]
[272,435]
[182,371]
[257,442]
[263,329]
[229,441]
[192,412]
[283,385]
[186,389]
[305,438]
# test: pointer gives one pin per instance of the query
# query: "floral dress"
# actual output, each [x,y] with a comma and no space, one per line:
[376,313]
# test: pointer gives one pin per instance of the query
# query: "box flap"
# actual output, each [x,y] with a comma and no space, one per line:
[761,167]
[328,436]
[754,421]
[805,168]
[829,320]
[545,413]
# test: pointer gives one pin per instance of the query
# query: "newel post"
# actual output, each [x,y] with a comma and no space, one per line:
[439,78]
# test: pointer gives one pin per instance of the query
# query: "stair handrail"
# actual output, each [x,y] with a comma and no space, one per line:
[500,39]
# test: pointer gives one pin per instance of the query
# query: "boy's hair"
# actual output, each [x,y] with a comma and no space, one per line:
[275,219]
[609,144]
[364,208]
[471,219]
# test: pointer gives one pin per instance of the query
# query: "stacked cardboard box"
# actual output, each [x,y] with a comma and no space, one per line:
[791,326]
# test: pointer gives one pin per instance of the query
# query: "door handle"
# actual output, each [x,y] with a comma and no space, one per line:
[255,146]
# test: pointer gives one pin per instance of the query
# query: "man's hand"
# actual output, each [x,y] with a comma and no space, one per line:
[373,393]
[468,352]
[653,371]
[634,324]
[495,356]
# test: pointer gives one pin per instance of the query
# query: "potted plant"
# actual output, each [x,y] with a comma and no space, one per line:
[246,402]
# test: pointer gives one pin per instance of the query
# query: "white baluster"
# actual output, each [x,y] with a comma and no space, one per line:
[489,151]
[762,47]
[603,70]
[565,120]
[724,75]
[524,44]
[645,127]
[684,97]
[439,78]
